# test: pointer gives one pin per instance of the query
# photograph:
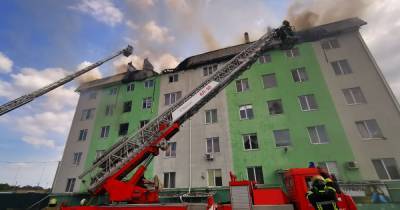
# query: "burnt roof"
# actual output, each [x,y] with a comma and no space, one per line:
[307,35]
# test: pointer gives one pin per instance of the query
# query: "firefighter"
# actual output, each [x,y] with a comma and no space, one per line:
[320,196]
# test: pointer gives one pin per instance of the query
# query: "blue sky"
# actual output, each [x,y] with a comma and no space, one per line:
[43,40]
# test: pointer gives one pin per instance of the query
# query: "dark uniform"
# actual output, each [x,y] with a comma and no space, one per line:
[321,196]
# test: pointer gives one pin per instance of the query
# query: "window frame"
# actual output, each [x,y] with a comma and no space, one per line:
[142,123]
[265,58]
[281,104]
[213,148]
[119,129]
[126,105]
[130,87]
[351,92]
[113,91]
[172,78]
[263,81]
[329,169]
[383,164]
[69,188]
[148,83]
[244,85]
[294,52]
[246,108]
[210,112]
[281,130]
[109,110]
[214,177]
[77,156]
[340,64]
[172,152]
[327,44]
[249,135]
[253,168]
[209,69]
[176,98]
[169,185]
[308,103]
[365,124]
[82,134]
[104,131]
[299,75]
[315,127]
[147,102]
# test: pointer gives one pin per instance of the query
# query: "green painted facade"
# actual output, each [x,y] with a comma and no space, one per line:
[137,114]
[293,118]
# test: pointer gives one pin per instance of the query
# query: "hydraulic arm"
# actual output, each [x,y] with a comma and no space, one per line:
[11,105]
[109,170]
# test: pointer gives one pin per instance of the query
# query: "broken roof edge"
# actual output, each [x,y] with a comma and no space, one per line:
[219,55]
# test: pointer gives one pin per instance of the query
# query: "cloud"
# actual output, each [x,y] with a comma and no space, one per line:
[131,24]
[5,63]
[88,76]
[38,142]
[102,10]
[142,4]
[157,33]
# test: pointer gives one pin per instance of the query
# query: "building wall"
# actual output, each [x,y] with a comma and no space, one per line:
[293,118]
[133,117]
[194,132]
[66,168]
[380,102]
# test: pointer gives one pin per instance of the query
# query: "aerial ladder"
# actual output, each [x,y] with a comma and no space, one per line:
[109,172]
[11,105]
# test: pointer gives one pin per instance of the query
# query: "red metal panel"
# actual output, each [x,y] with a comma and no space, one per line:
[271,196]
[138,207]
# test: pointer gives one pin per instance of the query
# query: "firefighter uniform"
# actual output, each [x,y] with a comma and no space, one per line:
[322,197]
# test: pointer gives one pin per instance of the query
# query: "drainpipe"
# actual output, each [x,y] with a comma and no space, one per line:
[190,155]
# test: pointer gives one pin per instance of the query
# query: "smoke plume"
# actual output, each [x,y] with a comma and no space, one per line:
[305,14]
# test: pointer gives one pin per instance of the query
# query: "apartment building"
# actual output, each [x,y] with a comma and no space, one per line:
[324,101]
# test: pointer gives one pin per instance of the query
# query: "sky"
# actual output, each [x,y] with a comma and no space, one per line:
[44,40]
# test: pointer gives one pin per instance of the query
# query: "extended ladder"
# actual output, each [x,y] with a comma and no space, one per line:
[11,105]
[129,146]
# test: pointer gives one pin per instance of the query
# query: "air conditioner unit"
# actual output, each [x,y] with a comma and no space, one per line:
[209,156]
[351,165]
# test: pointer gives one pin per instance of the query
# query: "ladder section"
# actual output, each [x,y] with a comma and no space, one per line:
[128,146]
[11,105]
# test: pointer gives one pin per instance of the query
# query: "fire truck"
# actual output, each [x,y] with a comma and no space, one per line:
[119,172]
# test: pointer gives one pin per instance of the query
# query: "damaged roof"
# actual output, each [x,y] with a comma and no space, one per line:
[308,35]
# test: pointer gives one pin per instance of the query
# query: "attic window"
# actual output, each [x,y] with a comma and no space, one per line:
[208,70]
[173,78]
[330,44]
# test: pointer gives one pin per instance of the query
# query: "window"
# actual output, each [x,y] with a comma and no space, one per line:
[264,58]
[82,134]
[255,174]
[208,70]
[127,106]
[330,166]
[299,74]
[99,153]
[308,103]
[77,158]
[87,114]
[173,78]
[369,129]
[269,80]
[143,123]
[113,91]
[354,96]
[386,168]
[211,116]
[147,103]
[294,52]
[123,129]
[110,109]
[242,85]
[92,95]
[246,112]
[250,141]
[330,44]
[318,134]
[171,149]
[104,131]
[275,107]
[70,185]
[149,83]
[169,180]
[130,87]
[171,98]
[341,67]
[282,138]
[212,144]
[214,177]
